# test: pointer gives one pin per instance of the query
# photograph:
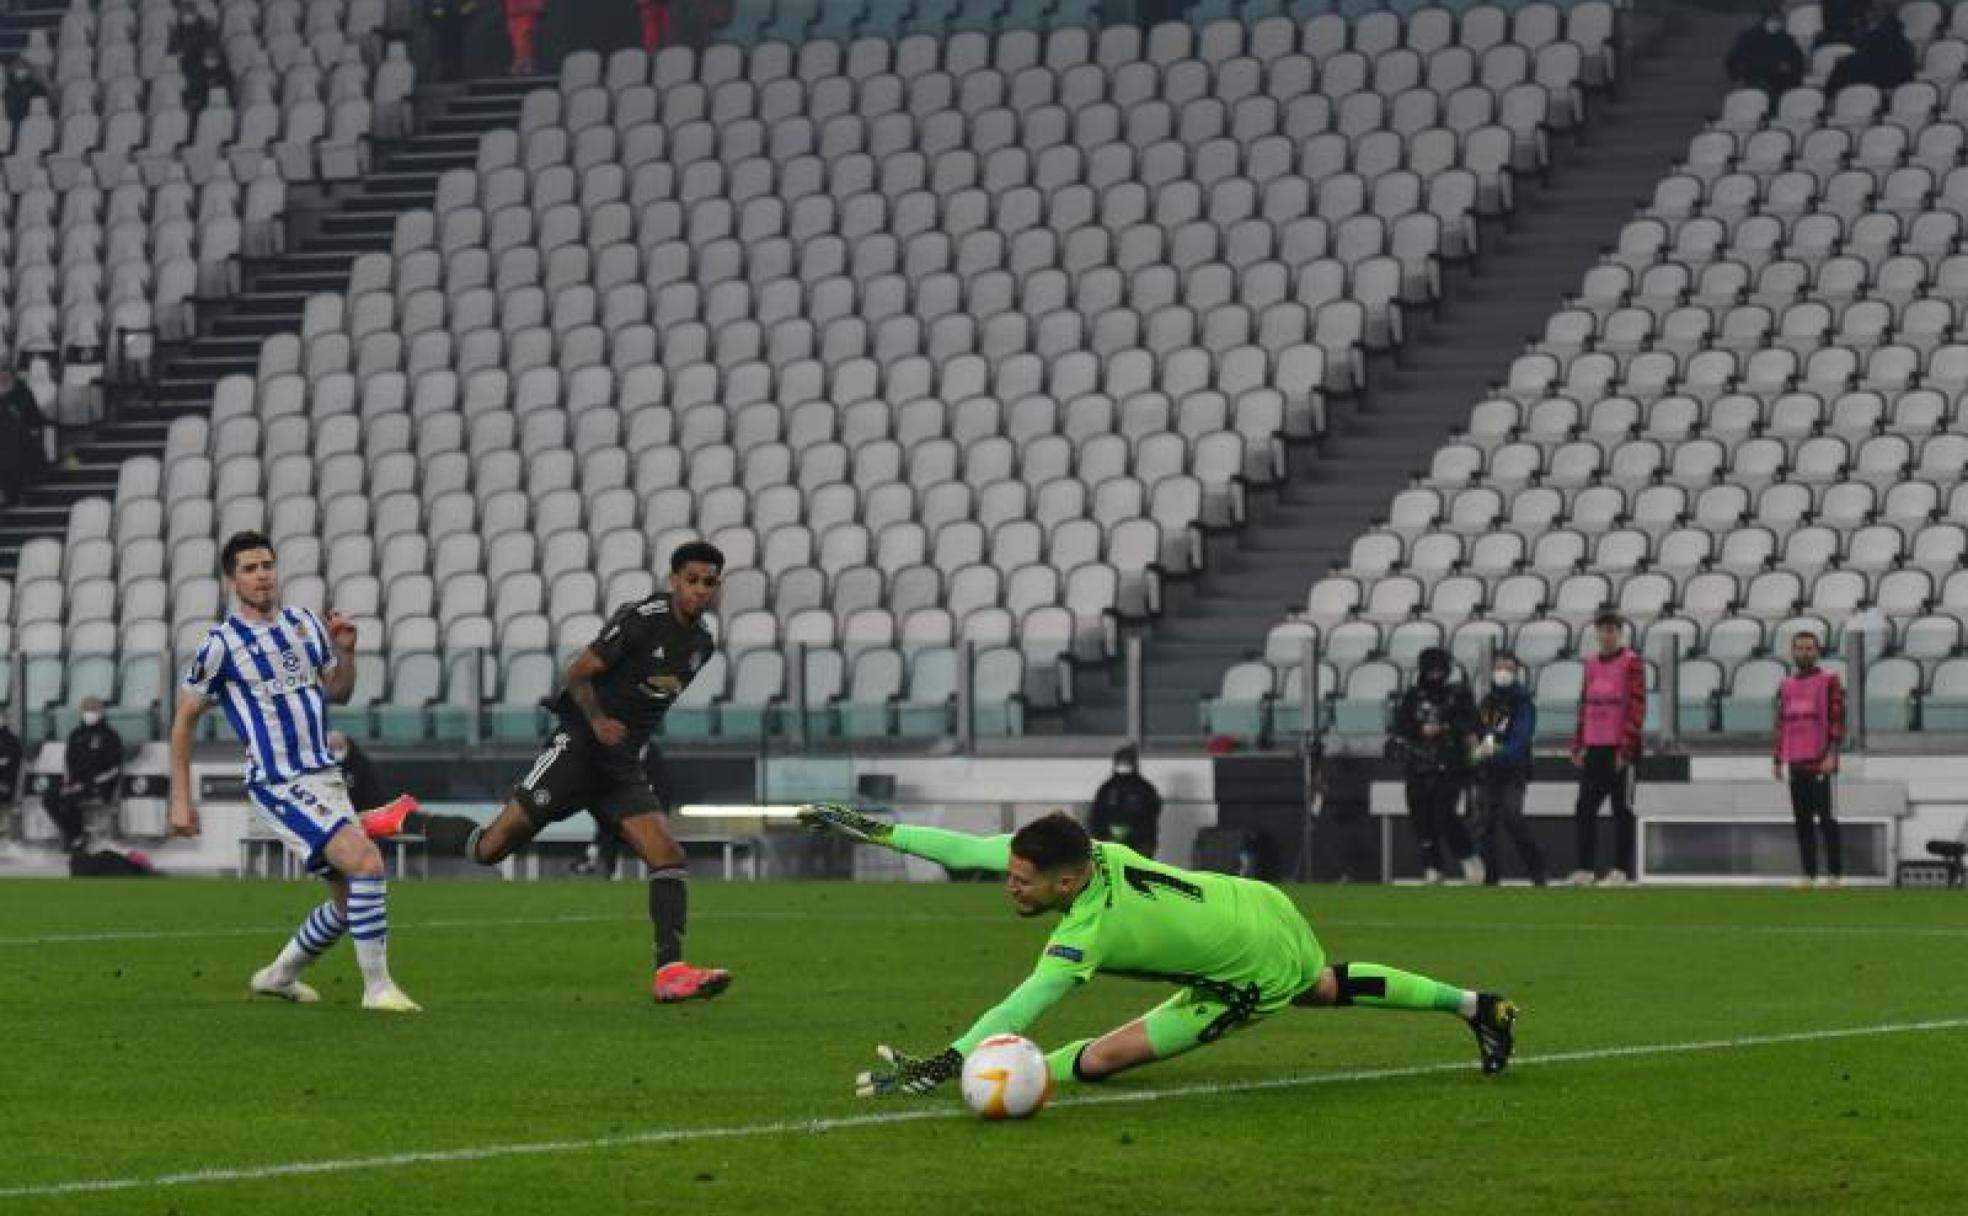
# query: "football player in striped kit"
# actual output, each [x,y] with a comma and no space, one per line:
[273,670]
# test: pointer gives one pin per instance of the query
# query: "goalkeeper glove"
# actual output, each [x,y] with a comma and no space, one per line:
[904,1074]
[848,822]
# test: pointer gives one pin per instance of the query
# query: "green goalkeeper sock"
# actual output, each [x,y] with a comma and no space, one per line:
[1391,988]
[1062,1060]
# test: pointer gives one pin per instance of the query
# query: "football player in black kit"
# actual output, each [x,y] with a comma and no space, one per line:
[616,691]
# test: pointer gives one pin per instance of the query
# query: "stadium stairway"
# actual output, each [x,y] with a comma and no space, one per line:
[1373,447]
[360,220]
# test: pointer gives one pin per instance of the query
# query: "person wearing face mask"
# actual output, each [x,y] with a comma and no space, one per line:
[1766,57]
[1127,809]
[1434,729]
[91,768]
[1506,722]
[1810,725]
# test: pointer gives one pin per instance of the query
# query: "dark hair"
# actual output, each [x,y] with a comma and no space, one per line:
[1609,618]
[239,543]
[696,551]
[1508,654]
[1808,633]
[1053,842]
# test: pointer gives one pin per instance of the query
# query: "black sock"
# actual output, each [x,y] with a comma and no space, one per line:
[669,904]
[447,835]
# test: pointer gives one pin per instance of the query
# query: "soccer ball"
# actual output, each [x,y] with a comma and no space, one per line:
[1006,1077]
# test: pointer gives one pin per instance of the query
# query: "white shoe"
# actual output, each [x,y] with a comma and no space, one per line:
[266,982]
[1431,876]
[1614,878]
[390,1000]
[1830,882]
[1473,871]
[1579,878]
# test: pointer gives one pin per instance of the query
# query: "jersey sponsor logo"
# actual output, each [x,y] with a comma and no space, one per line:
[1072,954]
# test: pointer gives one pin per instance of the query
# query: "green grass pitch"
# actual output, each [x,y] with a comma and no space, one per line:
[542,1079]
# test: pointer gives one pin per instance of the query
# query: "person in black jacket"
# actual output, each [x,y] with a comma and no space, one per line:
[1506,721]
[1434,729]
[1883,58]
[23,86]
[24,456]
[1127,809]
[92,767]
[10,766]
[1766,57]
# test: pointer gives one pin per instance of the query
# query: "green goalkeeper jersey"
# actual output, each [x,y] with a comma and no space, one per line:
[1142,919]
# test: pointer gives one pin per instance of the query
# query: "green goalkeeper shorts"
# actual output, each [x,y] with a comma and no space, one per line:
[1290,960]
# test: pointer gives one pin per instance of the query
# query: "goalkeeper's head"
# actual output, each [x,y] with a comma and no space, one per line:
[1051,863]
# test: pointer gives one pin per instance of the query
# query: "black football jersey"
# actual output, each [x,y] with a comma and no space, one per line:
[651,657]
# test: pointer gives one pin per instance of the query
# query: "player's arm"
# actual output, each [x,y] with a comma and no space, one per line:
[183,815]
[955,850]
[900,1073]
[582,671]
[338,673]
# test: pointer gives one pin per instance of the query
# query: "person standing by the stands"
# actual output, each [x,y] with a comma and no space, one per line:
[1606,748]
[1810,725]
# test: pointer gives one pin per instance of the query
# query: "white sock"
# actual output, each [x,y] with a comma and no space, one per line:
[320,931]
[1471,1001]
[368,918]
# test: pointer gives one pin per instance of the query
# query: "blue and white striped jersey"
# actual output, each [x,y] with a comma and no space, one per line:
[268,679]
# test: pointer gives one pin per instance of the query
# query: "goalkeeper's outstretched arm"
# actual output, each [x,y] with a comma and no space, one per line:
[901,1073]
[956,850]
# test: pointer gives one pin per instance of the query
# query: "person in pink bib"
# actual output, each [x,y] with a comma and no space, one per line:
[1605,748]
[1810,724]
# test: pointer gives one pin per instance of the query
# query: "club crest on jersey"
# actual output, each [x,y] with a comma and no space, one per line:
[657,653]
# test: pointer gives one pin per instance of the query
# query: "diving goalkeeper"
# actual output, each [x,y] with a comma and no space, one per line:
[1238,950]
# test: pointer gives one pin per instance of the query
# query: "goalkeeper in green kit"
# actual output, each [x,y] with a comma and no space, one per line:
[1238,950]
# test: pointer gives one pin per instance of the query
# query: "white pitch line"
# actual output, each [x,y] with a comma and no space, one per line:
[1318,923]
[686,1135]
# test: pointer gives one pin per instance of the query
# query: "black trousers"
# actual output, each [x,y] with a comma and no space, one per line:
[1440,838]
[1497,801]
[66,807]
[1599,780]
[1811,803]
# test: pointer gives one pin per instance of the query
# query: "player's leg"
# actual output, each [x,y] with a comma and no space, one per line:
[1378,986]
[1184,1022]
[324,926]
[643,830]
[1421,820]
[1621,786]
[1509,809]
[1827,816]
[1483,822]
[357,859]
[1585,813]
[1448,793]
[556,785]
[1804,813]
